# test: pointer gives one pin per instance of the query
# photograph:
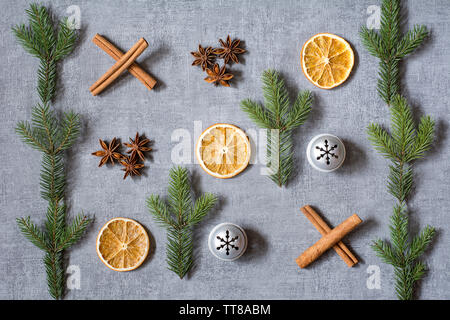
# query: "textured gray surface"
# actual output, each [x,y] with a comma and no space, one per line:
[274,32]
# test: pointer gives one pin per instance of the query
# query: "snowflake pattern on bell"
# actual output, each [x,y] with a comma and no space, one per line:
[227,243]
[327,152]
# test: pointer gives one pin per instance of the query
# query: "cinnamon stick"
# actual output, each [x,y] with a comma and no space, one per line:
[123,63]
[328,241]
[340,248]
[116,54]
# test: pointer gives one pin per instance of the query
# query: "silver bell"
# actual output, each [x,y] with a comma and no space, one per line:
[325,152]
[227,241]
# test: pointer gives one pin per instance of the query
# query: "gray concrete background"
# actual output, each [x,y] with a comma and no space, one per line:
[274,32]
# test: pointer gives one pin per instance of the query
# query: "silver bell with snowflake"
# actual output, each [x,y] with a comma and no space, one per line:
[325,152]
[227,241]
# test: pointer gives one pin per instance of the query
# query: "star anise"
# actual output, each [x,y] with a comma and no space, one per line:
[108,152]
[230,50]
[203,57]
[131,167]
[137,147]
[218,75]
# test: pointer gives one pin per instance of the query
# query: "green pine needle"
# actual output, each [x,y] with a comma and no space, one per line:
[390,47]
[202,206]
[411,41]
[41,40]
[382,141]
[69,133]
[179,218]
[424,139]
[280,119]
[51,137]
[55,273]
[257,114]
[420,243]
[405,143]
[65,40]
[33,233]
[73,232]
[385,252]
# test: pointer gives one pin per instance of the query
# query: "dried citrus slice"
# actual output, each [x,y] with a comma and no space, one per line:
[223,150]
[327,60]
[122,244]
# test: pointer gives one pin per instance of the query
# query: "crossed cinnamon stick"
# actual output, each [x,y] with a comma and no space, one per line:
[123,62]
[330,238]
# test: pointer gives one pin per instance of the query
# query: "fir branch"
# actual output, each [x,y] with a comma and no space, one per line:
[47,80]
[280,119]
[405,144]
[160,212]
[50,136]
[385,252]
[390,24]
[42,41]
[25,37]
[419,270]
[402,126]
[276,97]
[55,273]
[424,139]
[180,257]
[55,224]
[404,282]
[389,82]
[203,205]
[74,232]
[44,121]
[178,218]
[70,131]
[279,156]
[400,181]
[372,41]
[382,141]
[31,136]
[399,231]
[411,41]
[33,233]
[300,111]
[43,30]
[65,40]
[52,179]
[257,114]
[390,47]
[42,26]
[179,195]
[420,243]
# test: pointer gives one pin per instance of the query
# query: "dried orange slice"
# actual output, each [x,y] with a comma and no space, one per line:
[122,244]
[223,150]
[327,60]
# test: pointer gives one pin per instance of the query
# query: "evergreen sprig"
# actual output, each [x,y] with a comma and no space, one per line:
[390,47]
[178,216]
[406,143]
[51,136]
[280,118]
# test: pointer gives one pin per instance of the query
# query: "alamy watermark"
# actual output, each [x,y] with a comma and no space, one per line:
[74,18]
[374,19]
[374,279]
[73,280]
[183,152]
